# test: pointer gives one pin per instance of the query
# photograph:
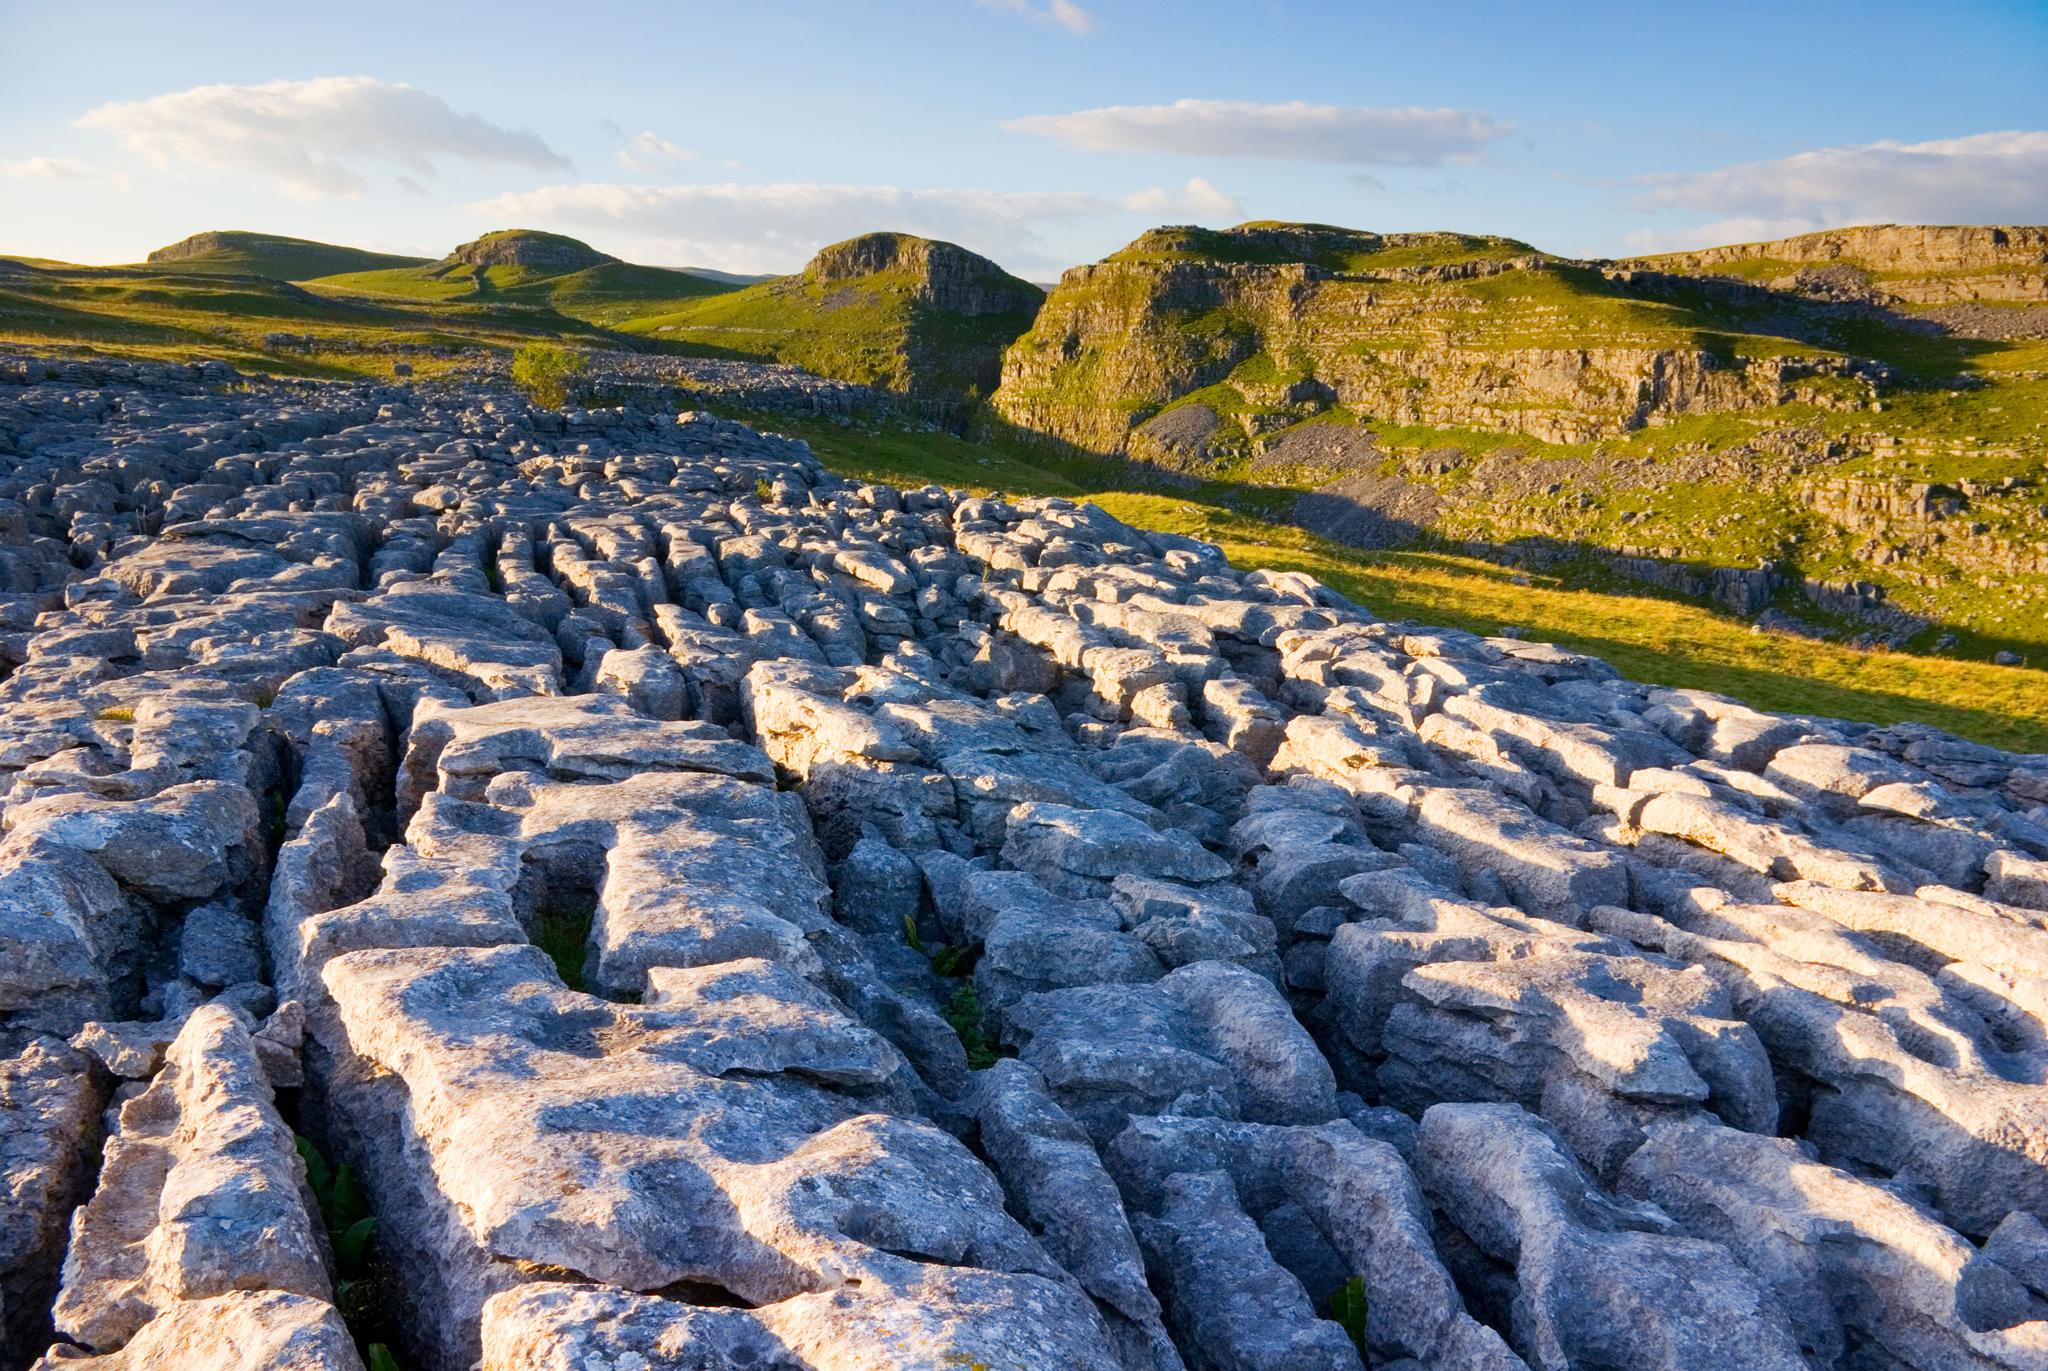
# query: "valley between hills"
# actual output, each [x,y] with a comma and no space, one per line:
[1812,473]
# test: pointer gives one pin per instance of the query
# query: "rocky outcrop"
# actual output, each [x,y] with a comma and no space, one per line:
[198,245]
[1905,521]
[726,915]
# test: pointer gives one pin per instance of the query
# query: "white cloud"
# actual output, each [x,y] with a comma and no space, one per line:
[647,150]
[1982,178]
[60,169]
[1064,13]
[47,169]
[1196,200]
[1295,131]
[760,228]
[310,136]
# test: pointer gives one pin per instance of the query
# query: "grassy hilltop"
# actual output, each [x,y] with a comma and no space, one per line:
[232,252]
[891,310]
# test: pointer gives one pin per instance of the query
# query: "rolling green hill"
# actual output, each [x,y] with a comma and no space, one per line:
[257,323]
[235,253]
[525,267]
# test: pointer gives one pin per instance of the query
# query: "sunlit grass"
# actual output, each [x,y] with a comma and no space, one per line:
[1658,639]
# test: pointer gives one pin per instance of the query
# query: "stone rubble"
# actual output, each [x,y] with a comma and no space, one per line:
[733,916]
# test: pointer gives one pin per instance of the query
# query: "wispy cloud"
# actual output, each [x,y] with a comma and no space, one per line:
[62,171]
[1982,178]
[47,169]
[311,137]
[648,150]
[757,228]
[1294,131]
[1064,13]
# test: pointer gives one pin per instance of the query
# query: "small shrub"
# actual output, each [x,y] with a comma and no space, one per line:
[545,372]
[116,714]
[763,492]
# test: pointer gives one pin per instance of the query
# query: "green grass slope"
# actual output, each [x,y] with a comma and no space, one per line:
[430,314]
[258,324]
[238,253]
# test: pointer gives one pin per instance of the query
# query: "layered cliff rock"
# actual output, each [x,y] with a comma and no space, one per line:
[1925,264]
[944,276]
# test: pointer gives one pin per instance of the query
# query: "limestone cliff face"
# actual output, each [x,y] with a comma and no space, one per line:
[1516,343]
[1913,263]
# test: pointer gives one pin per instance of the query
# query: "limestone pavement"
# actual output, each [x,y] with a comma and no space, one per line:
[731,916]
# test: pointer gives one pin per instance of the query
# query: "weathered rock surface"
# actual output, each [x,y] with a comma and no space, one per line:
[731,916]
[201,1194]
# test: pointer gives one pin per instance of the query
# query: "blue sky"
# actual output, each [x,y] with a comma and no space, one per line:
[1042,132]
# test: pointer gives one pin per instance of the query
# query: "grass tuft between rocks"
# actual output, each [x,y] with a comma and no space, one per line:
[364,1291]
